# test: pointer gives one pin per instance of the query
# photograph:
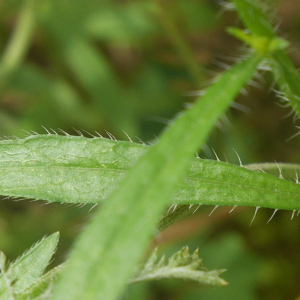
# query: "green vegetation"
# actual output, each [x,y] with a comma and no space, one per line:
[61,68]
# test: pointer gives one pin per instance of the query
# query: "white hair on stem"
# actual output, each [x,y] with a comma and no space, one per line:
[255,213]
[275,211]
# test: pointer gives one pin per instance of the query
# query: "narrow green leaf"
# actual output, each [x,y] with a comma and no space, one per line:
[182,265]
[26,269]
[224,184]
[51,167]
[113,242]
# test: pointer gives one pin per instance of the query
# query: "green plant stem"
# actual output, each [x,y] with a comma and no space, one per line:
[114,241]
[182,47]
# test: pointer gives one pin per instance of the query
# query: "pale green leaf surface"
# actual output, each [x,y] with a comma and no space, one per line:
[64,168]
[73,169]
[113,243]
[26,269]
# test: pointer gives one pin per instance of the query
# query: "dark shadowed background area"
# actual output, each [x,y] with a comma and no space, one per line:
[114,66]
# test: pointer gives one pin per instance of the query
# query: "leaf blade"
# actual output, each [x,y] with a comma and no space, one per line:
[51,171]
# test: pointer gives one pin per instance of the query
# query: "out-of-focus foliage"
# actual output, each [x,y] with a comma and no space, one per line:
[96,64]
[130,65]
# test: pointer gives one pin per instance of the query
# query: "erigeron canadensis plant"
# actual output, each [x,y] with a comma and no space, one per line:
[137,183]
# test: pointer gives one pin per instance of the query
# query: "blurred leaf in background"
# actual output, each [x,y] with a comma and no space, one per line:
[96,64]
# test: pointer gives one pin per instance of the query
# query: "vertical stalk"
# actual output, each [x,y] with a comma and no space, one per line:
[182,47]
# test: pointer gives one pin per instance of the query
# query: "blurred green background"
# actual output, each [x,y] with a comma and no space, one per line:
[125,65]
